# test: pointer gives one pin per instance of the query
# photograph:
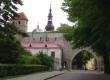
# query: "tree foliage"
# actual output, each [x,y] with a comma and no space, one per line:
[93,20]
[8,9]
[45,59]
[10,47]
[66,30]
[82,58]
[29,59]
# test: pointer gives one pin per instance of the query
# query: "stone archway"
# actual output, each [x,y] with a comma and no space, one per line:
[98,59]
[80,62]
[65,65]
[69,54]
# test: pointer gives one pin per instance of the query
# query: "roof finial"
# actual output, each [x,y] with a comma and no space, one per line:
[50,6]
[38,25]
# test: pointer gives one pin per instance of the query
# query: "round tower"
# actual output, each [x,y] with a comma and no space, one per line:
[21,21]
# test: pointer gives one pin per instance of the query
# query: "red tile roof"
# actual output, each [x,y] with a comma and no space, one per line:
[39,45]
[22,16]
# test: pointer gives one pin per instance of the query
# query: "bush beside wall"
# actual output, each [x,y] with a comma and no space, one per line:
[11,70]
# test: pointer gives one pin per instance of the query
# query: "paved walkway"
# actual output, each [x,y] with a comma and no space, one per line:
[82,75]
[39,76]
[75,74]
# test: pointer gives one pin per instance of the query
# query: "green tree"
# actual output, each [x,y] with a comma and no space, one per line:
[28,59]
[45,59]
[92,18]
[8,9]
[82,58]
[66,30]
[10,47]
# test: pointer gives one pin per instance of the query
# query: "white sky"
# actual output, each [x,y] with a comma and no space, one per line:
[37,11]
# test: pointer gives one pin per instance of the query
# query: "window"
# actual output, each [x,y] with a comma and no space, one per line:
[40,38]
[34,39]
[55,38]
[53,54]
[26,22]
[19,22]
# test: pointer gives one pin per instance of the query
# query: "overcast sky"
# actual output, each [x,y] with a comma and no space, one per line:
[37,11]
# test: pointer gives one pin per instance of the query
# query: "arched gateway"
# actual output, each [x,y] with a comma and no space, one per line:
[76,51]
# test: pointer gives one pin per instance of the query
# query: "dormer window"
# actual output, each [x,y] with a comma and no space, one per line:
[19,22]
[45,45]
[30,45]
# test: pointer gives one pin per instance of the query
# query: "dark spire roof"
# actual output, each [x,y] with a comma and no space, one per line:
[49,26]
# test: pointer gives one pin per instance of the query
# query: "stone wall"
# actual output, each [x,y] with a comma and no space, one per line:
[54,37]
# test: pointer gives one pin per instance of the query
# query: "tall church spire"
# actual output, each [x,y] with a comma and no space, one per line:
[49,26]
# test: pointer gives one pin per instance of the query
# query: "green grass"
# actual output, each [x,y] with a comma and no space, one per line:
[9,77]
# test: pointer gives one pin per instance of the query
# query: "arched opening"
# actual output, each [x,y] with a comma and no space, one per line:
[65,65]
[84,60]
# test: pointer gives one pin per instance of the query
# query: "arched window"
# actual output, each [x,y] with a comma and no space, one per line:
[40,38]
[19,22]
[55,38]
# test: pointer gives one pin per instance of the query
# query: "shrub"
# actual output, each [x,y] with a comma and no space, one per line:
[28,59]
[45,59]
[11,70]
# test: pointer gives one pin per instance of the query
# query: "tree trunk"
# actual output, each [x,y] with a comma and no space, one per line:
[106,64]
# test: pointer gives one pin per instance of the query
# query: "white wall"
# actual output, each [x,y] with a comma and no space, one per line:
[58,55]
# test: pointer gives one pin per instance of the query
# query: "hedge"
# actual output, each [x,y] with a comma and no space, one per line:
[11,70]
